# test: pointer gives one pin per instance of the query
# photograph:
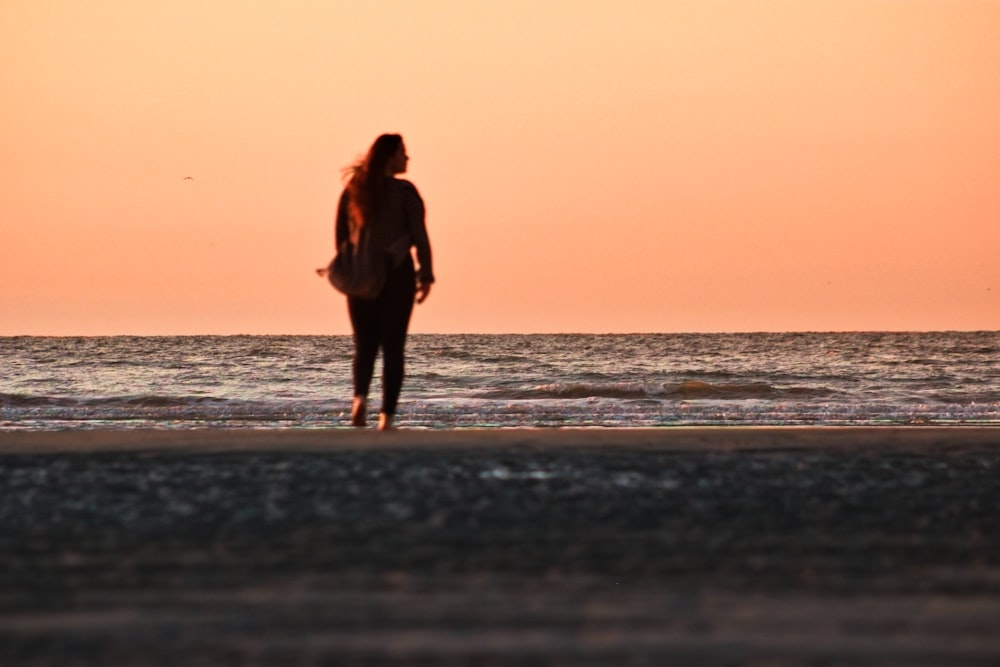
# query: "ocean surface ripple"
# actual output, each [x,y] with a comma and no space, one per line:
[949,378]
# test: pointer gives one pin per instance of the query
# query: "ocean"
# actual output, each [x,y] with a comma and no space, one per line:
[456,381]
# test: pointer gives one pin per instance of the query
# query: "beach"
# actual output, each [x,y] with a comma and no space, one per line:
[582,546]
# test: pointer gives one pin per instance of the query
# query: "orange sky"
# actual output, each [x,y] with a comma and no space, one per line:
[587,165]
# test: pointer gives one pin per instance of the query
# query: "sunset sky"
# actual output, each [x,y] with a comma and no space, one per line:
[588,166]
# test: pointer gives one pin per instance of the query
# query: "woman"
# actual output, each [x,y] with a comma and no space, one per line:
[392,213]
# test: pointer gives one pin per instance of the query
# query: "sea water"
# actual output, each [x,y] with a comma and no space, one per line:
[637,380]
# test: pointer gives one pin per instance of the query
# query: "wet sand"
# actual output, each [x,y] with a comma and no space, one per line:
[687,546]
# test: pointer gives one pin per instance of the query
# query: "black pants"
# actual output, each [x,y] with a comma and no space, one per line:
[382,323]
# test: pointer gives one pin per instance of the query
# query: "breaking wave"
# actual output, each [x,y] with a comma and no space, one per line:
[689,390]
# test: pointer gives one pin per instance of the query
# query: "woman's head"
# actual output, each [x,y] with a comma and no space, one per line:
[386,158]
[384,155]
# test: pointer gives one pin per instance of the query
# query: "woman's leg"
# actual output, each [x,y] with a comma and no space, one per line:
[365,324]
[396,303]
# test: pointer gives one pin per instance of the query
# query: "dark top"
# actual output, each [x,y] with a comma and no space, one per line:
[398,227]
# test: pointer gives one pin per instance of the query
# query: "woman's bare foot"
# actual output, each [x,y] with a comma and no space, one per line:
[359,412]
[385,422]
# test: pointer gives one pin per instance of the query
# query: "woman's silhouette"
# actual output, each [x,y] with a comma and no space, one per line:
[392,212]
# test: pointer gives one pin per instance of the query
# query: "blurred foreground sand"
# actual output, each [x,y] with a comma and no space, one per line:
[700,546]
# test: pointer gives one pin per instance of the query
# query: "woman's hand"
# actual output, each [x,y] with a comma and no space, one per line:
[423,291]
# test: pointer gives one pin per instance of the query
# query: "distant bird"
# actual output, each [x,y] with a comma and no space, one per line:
[188,178]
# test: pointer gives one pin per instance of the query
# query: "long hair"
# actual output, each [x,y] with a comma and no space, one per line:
[366,188]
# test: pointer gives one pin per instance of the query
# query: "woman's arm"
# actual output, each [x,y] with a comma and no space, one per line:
[415,220]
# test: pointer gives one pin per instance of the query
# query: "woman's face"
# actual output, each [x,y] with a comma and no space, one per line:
[397,163]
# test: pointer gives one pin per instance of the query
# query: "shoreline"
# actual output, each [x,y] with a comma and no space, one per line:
[680,438]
